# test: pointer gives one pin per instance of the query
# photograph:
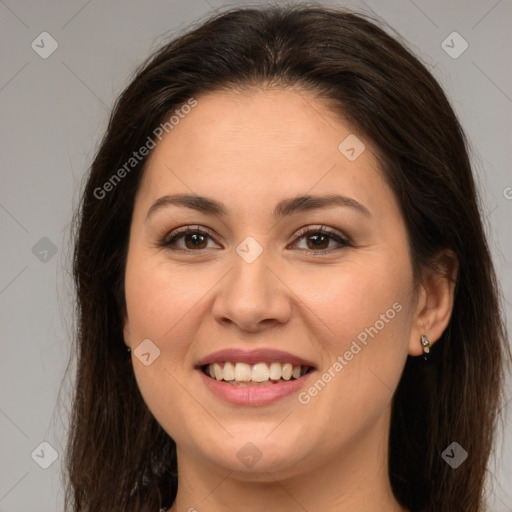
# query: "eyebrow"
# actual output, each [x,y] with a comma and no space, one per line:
[284,208]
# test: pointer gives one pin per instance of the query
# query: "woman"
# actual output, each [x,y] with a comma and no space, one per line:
[285,295]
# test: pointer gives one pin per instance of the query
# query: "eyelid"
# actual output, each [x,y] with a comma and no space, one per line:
[337,236]
[183,230]
[321,228]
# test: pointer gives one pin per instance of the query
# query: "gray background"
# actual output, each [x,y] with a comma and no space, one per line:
[54,112]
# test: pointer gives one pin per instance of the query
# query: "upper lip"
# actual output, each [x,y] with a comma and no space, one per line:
[260,355]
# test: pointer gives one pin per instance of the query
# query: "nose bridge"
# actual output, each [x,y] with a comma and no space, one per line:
[249,281]
[251,292]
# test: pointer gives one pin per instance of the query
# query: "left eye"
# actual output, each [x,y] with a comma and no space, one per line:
[319,239]
[196,239]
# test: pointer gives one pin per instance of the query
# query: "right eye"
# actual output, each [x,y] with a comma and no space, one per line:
[193,238]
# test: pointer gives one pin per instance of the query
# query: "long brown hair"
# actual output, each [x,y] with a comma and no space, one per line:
[118,457]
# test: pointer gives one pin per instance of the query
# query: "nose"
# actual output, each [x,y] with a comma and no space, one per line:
[252,296]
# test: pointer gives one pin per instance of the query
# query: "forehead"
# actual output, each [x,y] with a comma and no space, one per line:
[261,144]
[271,121]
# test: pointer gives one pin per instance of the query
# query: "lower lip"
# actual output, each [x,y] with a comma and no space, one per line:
[254,395]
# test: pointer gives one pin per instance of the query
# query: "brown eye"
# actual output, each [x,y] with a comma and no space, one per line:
[190,239]
[318,239]
[193,239]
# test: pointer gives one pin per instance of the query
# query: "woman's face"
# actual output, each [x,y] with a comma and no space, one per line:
[261,292]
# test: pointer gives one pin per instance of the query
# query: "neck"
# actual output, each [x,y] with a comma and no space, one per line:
[354,479]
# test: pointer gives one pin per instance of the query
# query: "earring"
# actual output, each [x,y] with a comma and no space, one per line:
[128,349]
[426,344]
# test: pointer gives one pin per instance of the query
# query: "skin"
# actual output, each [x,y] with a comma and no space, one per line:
[249,151]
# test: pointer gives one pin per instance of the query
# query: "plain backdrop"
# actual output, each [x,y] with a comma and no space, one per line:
[54,112]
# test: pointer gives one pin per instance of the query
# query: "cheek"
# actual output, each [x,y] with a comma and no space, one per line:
[368,312]
[159,299]
[161,307]
[365,297]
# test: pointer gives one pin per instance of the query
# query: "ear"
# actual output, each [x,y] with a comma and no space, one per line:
[435,301]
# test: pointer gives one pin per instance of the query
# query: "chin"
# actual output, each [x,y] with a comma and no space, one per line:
[252,457]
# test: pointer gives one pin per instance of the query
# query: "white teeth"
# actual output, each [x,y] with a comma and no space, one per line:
[263,373]
[287,371]
[260,372]
[217,370]
[229,371]
[275,371]
[243,372]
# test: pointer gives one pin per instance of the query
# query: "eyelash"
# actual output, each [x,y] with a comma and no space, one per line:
[171,238]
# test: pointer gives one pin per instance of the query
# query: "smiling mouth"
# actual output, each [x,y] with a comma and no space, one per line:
[259,374]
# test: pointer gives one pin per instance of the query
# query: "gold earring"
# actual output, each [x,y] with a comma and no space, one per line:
[425,343]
